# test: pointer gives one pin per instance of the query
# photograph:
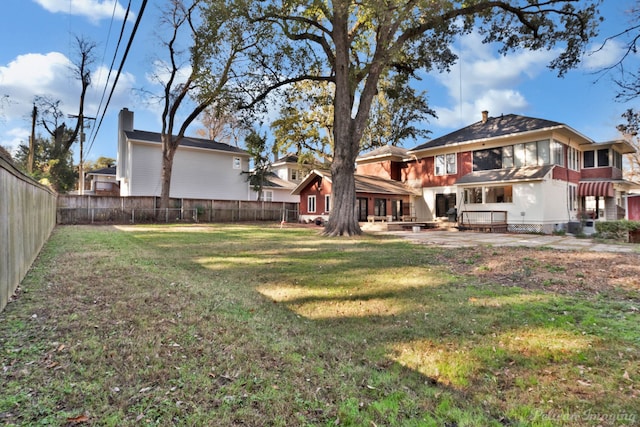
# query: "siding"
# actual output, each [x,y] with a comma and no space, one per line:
[197,173]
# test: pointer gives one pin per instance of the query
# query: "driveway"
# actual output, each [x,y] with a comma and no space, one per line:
[457,239]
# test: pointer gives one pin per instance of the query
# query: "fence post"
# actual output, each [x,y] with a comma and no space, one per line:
[133,216]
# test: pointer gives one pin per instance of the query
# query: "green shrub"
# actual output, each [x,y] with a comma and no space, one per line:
[616,230]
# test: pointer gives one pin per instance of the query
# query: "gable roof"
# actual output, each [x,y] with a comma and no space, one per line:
[494,127]
[287,158]
[387,151]
[526,173]
[111,170]
[364,184]
[187,141]
[274,181]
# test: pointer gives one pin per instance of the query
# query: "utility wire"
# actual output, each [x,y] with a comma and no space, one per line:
[113,60]
[124,58]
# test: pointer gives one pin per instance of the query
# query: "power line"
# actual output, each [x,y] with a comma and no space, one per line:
[113,60]
[124,58]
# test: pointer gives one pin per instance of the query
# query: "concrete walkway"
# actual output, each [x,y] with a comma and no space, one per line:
[457,239]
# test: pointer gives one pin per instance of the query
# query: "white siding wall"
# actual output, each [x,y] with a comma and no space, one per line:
[542,202]
[285,196]
[197,173]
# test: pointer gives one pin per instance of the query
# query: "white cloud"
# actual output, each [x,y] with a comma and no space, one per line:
[601,56]
[162,72]
[34,74]
[12,138]
[94,10]
[496,101]
[482,79]
[31,75]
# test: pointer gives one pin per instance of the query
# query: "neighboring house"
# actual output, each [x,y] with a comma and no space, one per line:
[285,174]
[102,182]
[534,175]
[378,198]
[202,169]
[540,175]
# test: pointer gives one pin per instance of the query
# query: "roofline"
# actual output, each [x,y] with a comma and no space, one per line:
[204,141]
[630,149]
[307,179]
[456,144]
[381,156]
[511,181]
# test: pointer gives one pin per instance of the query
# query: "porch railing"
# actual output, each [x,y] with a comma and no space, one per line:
[492,221]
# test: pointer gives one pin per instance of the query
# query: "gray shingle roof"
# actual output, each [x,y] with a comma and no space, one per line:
[274,181]
[494,127]
[378,185]
[364,184]
[111,170]
[385,151]
[187,141]
[501,175]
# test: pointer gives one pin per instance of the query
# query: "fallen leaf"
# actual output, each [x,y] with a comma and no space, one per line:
[626,376]
[79,419]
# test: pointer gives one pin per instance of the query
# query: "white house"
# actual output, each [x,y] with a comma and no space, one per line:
[202,169]
[285,174]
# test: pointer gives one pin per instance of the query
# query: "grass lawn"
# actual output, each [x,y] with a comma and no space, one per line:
[261,326]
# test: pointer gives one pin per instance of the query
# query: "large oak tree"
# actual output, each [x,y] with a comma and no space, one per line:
[352,44]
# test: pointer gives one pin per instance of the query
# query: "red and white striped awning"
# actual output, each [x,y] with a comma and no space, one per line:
[596,188]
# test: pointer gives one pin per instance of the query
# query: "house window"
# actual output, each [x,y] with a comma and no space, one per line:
[473,195]
[237,163]
[573,197]
[446,164]
[327,203]
[311,204]
[267,195]
[558,153]
[294,174]
[380,207]
[499,194]
[573,158]
[603,157]
[544,153]
[617,160]
[596,159]
[589,159]
[531,154]
[507,156]
[535,153]
[490,159]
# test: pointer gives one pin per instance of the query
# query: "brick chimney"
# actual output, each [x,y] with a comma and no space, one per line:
[485,116]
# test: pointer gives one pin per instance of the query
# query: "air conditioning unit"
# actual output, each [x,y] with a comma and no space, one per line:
[589,227]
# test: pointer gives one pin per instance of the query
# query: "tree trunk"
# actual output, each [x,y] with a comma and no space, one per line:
[343,219]
[168,153]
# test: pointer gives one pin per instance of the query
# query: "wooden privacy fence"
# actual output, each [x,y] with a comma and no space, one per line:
[27,217]
[136,210]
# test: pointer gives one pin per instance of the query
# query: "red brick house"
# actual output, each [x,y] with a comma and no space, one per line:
[378,198]
[527,174]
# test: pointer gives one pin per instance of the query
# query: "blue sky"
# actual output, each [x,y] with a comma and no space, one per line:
[38,43]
